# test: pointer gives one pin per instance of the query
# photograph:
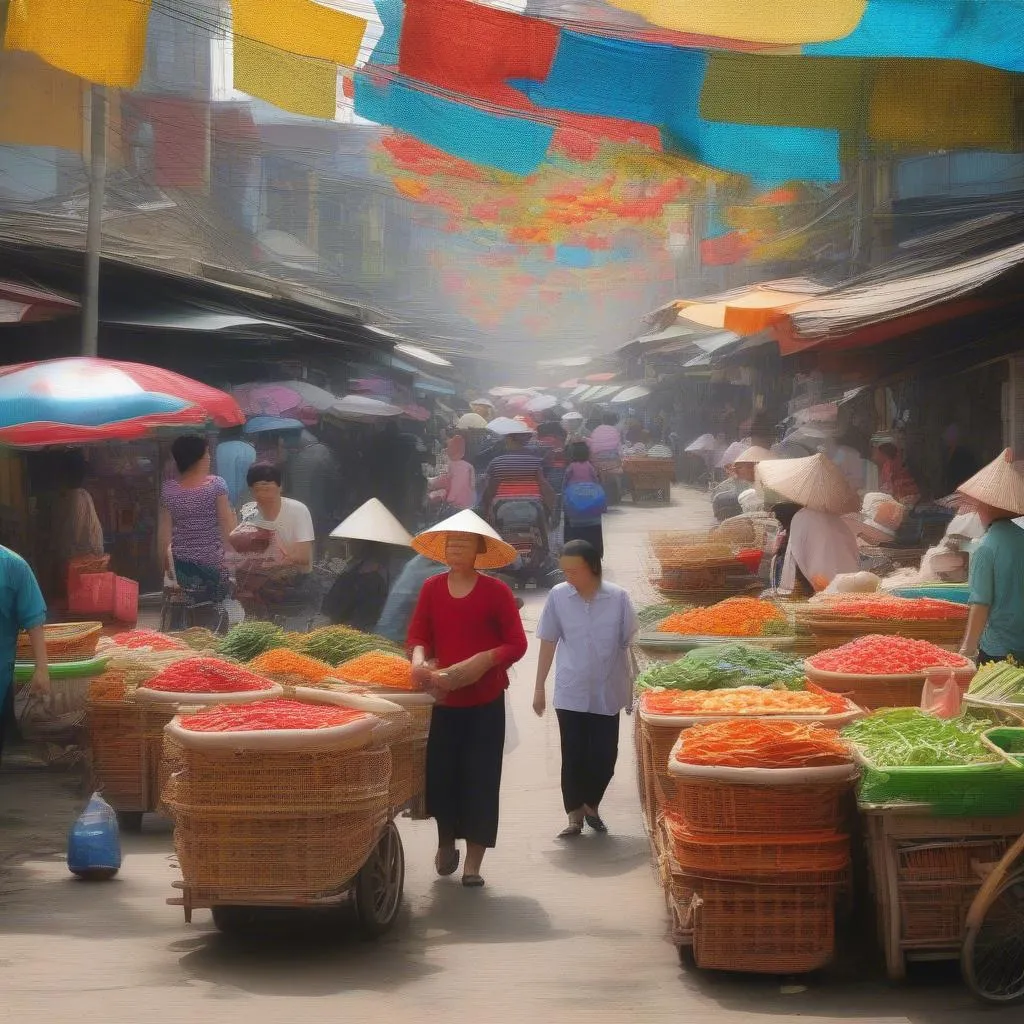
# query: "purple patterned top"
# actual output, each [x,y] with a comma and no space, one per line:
[195,528]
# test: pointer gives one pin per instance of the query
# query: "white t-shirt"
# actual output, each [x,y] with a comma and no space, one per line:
[293,525]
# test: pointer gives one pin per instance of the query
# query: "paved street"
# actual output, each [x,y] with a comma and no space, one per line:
[560,931]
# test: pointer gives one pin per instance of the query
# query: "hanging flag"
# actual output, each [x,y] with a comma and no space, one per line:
[778,21]
[300,27]
[300,85]
[39,104]
[102,41]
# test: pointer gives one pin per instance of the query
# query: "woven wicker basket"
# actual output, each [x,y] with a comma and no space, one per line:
[722,807]
[767,929]
[116,737]
[65,641]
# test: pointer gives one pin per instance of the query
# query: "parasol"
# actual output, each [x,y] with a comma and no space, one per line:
[503,427]
[83,400]
[290,398]
[360,409]
[416,412]
[271,425]
[541,403]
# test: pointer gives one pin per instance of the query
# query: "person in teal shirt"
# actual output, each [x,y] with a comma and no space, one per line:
[21,607]
[995,623]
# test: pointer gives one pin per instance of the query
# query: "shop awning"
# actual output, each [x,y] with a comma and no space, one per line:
[183,318]
[423,355]
[23,304]
[631,394]
[799,314]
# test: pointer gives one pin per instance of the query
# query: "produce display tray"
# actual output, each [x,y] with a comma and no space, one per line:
[679,642]
[63,669]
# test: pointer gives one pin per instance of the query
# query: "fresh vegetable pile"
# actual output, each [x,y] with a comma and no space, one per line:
[761,743]
[109,686]
[907,737]
[999,681]
[889,608]
[378,668]
[283,662]
[746,701]
[654,613]
[337,644]
[713,668]
[137,639]
[885,656]
[207,675]
[249,639]
[736,616]
[270,714]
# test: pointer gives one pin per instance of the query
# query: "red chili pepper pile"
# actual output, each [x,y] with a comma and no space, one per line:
[890,608]
[265,715]
[135,639]
[207,675]
[885,656]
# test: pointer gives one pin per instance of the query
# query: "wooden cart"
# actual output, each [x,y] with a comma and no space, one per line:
[649,479]
[375,892]
[925,873]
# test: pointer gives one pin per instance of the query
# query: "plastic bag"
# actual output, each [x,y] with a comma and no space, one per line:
[94,843]
[511,732]
[941,695]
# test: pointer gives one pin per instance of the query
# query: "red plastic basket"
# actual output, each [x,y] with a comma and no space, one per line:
[92,594]
[126,600]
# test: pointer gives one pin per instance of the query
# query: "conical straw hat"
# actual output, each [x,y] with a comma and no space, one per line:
[471,421]
[754,454]
[1000,484]
[372,521]
[815,482]
[432,542]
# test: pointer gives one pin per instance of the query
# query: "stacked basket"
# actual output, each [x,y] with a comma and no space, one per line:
[696,569]
[763,855]
[276,816]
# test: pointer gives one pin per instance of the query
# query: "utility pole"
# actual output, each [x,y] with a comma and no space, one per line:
[94,231]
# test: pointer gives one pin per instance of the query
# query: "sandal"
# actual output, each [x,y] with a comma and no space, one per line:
[573,829]
[446,862]
[473,881]
[596,823]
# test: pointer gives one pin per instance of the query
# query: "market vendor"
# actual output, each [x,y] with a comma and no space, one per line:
[21,607]
[290,520]
[464,636]
[357,596]
[820,544]
[995,623]
[893,476]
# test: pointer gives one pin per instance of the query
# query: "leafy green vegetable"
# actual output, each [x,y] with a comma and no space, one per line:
[654,613]
[335,644]
[248,640]
[728,665]
[999,681]
[907,738]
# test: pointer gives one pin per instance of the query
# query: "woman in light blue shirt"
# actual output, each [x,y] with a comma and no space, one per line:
[591,623]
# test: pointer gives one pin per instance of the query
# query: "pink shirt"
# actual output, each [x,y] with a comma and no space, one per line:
[460,484]
[605,439]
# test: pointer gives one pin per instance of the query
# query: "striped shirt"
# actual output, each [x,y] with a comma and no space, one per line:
[518,465]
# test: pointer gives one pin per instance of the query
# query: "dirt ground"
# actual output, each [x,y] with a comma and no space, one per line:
[559,931]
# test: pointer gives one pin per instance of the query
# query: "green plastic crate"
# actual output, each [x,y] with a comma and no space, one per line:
[983,790]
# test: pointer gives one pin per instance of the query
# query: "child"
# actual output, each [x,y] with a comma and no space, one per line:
[455,489]
[585,526]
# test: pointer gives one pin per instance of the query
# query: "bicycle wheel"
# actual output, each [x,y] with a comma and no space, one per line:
[992,960]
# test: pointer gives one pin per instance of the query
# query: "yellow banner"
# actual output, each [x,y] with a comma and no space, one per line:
[39,105]
[944,104]
[297,84]
[102,41]
[762,21]
[300,27]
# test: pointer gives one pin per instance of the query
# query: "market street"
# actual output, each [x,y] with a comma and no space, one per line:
[561,929]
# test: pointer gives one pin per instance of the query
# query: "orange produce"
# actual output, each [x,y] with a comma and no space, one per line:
[746,701]
[376,668]
[736,616]
[761,743]
[280,661]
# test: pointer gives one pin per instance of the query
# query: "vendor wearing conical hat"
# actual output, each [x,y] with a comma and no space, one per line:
[809,498]
[995,624]
[464,636]
[358,594]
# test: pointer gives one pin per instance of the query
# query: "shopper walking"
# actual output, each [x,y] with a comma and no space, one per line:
[590,623]
[583,499]
[464,635]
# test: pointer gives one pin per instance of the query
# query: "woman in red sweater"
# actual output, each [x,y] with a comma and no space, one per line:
[464,634]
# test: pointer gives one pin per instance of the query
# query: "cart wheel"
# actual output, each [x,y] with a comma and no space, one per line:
[992,960]
[379,884]
[233,920]
[130,821]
